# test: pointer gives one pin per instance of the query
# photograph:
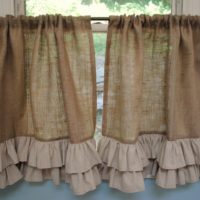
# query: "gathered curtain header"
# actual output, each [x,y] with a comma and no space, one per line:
[153,21]
[65,22]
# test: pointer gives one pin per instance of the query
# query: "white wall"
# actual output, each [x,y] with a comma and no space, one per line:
[7,7]
[191,7]
[186,7]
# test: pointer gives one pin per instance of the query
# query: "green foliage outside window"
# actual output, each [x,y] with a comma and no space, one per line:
[97,7]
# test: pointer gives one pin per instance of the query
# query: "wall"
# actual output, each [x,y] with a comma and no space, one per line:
[6,7]
[47,190]
[191,7]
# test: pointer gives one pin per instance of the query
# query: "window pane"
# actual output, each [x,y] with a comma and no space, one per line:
[97,7]
[100,46]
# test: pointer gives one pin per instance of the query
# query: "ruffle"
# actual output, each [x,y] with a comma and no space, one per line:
[179,162]
[57,160]
[9,173]
[123,164]
[171,163]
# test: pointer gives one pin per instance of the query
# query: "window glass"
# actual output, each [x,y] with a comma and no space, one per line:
[97,7]
[100,46]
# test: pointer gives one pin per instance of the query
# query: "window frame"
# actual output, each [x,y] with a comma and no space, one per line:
[19,5]
[97,26]
[179,7]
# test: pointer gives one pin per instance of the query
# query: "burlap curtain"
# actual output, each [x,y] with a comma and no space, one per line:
[48,101]
[151,115]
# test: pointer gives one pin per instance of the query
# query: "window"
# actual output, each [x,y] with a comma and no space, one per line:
[99,8]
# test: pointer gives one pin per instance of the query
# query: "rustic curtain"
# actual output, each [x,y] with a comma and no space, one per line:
[48,101]
[151,115]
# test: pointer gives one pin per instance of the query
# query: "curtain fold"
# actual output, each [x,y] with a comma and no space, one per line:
[48,101]
[151,109]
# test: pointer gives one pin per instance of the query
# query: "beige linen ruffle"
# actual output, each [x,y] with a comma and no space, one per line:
[56,160]
[125,165]
[9,173]
[171,163]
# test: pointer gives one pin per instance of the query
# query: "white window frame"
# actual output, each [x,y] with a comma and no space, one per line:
[20,8]
[17,7]
[177,7]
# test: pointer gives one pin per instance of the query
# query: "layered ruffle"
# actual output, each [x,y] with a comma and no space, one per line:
[57,160]
[171,163]
[123,164]
[9,173]
[179,162]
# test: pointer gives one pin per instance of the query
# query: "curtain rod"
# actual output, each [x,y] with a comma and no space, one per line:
[100,18]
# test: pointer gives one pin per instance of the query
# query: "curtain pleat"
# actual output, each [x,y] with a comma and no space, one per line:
[48,101]
[151,109]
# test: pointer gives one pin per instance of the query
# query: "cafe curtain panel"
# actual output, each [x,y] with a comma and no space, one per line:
[48,101]
[151,115]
